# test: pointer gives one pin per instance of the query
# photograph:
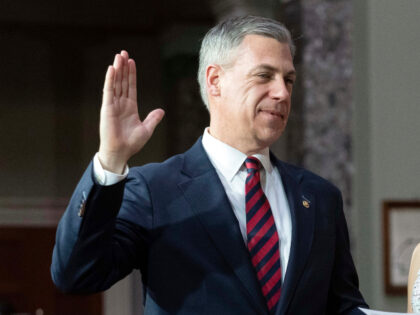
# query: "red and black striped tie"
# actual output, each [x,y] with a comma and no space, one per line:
[262,237]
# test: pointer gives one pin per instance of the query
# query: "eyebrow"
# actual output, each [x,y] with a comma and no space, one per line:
[272,69]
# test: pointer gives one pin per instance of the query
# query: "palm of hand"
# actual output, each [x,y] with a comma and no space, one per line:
[122,132]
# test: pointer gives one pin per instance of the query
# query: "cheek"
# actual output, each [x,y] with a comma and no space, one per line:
[244,107]
[259,95]
[288,110]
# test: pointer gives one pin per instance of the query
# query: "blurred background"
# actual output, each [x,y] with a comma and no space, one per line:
[355,118]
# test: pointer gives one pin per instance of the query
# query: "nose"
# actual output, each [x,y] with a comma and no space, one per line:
[279,89]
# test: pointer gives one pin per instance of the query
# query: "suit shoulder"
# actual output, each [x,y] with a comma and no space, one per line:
[151,170]
[313,180]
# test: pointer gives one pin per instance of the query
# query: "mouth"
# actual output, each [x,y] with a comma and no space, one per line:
[271,113]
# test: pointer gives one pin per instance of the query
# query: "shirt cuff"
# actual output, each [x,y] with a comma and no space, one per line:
[104,177]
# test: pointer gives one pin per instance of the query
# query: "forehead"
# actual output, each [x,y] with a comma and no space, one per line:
[257,49]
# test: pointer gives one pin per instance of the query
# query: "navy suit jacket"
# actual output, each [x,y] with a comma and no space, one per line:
[174,222]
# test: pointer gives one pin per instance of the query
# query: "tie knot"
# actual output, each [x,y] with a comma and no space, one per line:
[252,164]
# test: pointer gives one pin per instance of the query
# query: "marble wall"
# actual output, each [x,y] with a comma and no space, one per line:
[327,102]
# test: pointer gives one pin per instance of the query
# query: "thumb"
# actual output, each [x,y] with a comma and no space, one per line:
[154,117]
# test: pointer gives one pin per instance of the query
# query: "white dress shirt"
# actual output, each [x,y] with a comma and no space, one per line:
[229,165]
[104,177]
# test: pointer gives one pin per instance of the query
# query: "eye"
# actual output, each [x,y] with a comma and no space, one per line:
[289,81]
[264,75]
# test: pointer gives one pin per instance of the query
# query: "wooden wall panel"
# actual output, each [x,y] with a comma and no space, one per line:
[25,280]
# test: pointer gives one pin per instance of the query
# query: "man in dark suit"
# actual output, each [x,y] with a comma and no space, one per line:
[224,228]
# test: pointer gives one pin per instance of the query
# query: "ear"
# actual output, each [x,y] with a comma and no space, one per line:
[213,73]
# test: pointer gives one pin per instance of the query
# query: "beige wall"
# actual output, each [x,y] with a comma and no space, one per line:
[386,129]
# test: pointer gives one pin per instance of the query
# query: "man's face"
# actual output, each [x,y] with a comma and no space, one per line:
[252,109]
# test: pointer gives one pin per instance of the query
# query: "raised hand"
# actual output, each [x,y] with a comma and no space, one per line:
[122,133]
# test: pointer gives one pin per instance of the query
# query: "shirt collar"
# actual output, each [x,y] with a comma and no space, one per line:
[228,160]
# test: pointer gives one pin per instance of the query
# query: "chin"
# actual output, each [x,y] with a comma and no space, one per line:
[268,138]
[272,134]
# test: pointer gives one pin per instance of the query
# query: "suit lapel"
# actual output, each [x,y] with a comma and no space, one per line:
[207,198]
[302,209]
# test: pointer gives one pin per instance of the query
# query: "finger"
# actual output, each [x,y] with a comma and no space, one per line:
[118,75]
[124,84]
[108,91]
[154,117]
[124,53]
[132,80]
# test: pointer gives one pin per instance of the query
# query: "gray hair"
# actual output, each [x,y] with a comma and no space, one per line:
[218,43]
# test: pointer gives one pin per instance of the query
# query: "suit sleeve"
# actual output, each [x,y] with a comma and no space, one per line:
[103,234]
[344,295]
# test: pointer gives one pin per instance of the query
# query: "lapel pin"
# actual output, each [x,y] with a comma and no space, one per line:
[306,202]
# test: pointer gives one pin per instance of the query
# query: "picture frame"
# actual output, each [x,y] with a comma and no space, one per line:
[401,234]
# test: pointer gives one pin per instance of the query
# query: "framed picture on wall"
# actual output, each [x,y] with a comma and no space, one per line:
[401,229]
